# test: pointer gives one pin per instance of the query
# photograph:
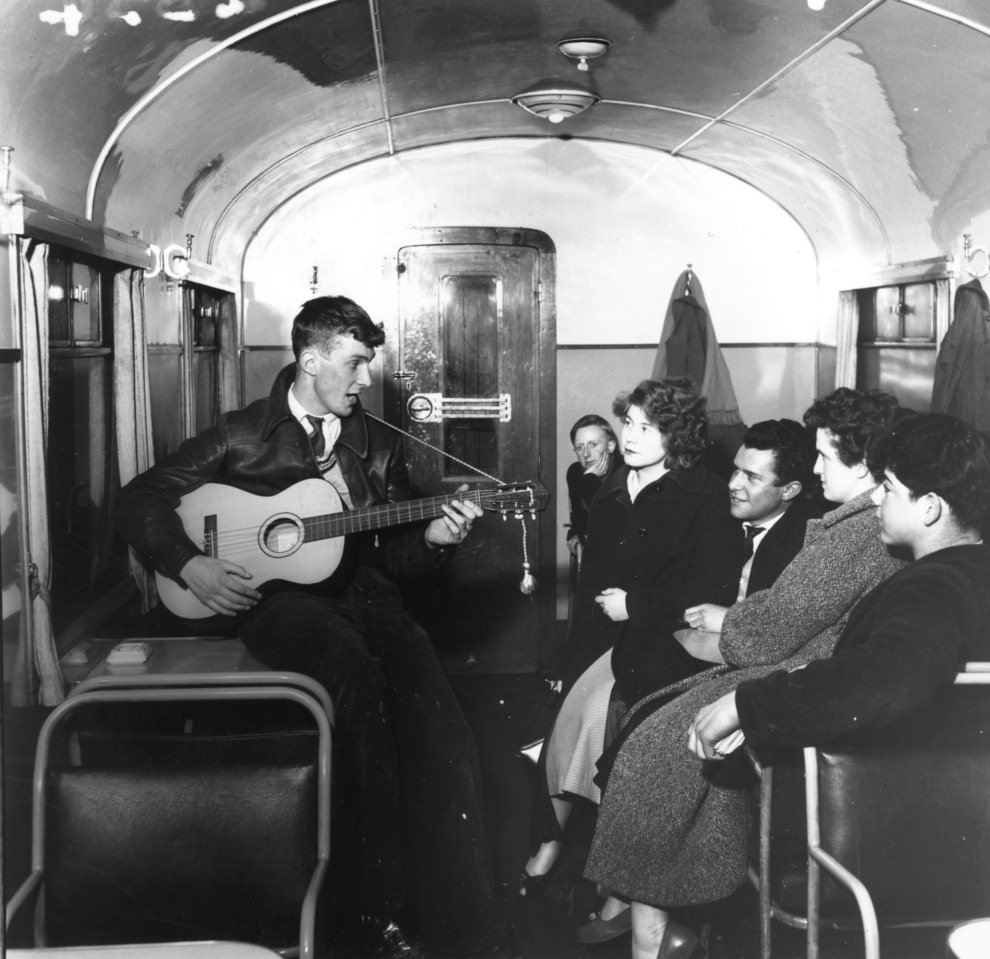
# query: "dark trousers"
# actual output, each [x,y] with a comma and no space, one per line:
[408,765]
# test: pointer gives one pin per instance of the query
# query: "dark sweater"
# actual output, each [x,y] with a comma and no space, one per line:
[901,648]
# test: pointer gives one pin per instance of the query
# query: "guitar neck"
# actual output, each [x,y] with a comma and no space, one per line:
[368,518]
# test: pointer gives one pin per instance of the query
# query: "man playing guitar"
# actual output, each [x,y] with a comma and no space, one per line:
[408,761]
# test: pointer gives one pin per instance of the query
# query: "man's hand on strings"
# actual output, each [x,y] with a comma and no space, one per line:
[452,528]
[220,585]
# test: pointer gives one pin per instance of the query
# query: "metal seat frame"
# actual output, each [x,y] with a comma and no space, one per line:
[190,687]
[819,860]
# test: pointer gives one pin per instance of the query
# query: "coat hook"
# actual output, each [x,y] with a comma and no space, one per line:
[970,251]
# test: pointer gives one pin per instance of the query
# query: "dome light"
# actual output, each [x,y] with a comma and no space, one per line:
[555,100]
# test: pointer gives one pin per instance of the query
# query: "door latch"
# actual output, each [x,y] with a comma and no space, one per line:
[435,407]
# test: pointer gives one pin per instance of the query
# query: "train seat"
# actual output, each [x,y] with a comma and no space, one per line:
[163,835]
[892,834]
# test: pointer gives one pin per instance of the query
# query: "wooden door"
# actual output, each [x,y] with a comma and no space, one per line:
[472,373]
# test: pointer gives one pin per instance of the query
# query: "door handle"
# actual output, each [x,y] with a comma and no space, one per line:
[435,407]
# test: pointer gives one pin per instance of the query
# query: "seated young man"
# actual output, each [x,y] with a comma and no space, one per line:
[771,494]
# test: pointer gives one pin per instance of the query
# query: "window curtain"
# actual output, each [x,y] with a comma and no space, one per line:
[847,338]
[37,678]
[132,403]
[227,341]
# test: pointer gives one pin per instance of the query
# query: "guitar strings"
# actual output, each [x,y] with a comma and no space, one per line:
[245,538]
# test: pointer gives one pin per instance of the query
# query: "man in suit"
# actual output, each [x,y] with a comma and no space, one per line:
[771,494]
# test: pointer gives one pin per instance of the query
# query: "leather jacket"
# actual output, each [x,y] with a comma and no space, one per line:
[263,450]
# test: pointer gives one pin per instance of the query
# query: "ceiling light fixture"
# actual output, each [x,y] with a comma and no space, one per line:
[584,49]
[816,5]
[555,100]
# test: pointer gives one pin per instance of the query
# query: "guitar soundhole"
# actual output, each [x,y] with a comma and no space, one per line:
[281,535]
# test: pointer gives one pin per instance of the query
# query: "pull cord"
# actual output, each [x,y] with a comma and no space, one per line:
[450,456]
[527,585]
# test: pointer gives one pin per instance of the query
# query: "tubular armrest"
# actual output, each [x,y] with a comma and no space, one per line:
[212,679]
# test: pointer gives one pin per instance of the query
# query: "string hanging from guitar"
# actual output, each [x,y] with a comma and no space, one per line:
[527,585]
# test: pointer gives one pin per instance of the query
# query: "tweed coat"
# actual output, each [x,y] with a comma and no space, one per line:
[673,830]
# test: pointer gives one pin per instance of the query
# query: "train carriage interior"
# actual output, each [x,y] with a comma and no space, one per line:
[516,190]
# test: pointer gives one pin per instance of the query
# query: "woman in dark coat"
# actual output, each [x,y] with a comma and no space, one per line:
[660,538]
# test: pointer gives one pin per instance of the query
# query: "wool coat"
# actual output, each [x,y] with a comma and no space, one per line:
[673,830]
[780,544]
[961,384]
[676,546]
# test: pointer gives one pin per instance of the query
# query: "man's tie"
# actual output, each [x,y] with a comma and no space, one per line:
[318,441]
[751,533]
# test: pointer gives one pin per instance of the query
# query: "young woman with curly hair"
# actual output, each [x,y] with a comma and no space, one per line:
[660,538]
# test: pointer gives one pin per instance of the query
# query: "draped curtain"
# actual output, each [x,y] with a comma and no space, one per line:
[847,337]
[131,399]
[37,677]
[227,341]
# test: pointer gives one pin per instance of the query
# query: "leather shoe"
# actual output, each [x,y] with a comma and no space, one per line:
[602,930]
[384,939]
[679,942]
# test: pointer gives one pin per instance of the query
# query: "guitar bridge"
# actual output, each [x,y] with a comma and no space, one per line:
[210,535]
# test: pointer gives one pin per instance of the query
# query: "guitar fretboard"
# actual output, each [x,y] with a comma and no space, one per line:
[367,518]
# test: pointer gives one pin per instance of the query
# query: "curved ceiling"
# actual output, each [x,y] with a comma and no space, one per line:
[866,121]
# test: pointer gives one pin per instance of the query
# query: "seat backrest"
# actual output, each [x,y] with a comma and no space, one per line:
[907,813]
[912,824]
[211,826]
[146,853]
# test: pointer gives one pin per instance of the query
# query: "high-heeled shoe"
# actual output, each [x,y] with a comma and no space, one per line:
[679,942]
[602,930]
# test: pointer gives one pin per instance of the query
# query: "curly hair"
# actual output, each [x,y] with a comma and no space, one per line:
[324,318]
[793,450]
[936,453]
[674,407]
[593,419]
[853,417]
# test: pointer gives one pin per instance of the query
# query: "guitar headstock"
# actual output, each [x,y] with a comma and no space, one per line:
[512,498]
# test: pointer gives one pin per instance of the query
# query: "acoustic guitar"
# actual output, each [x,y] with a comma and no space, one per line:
[297,536]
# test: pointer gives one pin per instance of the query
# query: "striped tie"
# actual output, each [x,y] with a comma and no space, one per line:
[324,459]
